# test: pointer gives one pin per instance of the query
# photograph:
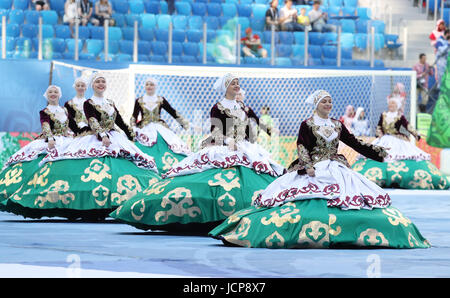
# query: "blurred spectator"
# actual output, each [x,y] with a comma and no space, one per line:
[301,2]
[399,94]
[347,118]
[318,19]
[41,5]
[252,45]
[437,32]
[272,16]
[85,11]
[303,19]
[441,46]
[423,70]
[103,11]
[360,125]
[288,18]
[70,13]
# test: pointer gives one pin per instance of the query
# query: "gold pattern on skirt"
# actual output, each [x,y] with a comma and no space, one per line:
[39,178]
[156,187]
[96,171]
[256,194]
[360,166]
[127,187]
[100,193]
[235,217]
[374,174]
[141,210]
[240,231]
[422,179]
[168,160]
[56,192]
[397,167]
[371,237]
[412,240]
[314,235]
[178,199]
[395,217]
[332,221]
[226,204]
[227,179]
[287,213]
[274,240]
[13,175]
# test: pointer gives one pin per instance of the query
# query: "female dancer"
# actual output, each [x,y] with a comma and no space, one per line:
[55,130]
[406,166]
[92,176]
[152,134]
[75,108]
[321,203]
[204,188]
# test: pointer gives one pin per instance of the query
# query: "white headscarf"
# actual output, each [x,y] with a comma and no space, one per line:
[316,97]
[150,100]
[52,86]
[359,110]
[95,76]
[222,83]
[78,80]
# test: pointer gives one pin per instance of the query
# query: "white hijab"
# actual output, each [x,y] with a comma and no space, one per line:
[150,101]
[222,83]
[58,111]
[101,101]
[326,126]
[390,116]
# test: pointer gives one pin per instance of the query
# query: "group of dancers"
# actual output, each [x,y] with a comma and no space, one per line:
[144,175]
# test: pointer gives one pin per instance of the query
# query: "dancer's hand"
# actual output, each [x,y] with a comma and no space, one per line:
[51,144]
[105,141]
[311,172]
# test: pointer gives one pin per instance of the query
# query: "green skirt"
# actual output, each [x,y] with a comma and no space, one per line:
[87,188]
[195,202]
[311,224]
[409,174]
[164,157]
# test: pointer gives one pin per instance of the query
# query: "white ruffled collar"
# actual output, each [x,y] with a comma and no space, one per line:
[58,112]
[234,107]
[390,116]
[326,128]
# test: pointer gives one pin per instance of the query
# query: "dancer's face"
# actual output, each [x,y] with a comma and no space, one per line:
[80,88]
[53,96]
[233,88]
[150,88]
[324,107]
[99,85]
[392,106]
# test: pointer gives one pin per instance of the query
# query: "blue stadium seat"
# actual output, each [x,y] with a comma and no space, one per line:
[16,16]
[346,62]
[58,6]
[159,48]
[179,21]
[348,26]
[349,11]
[136,6]
[22,4]
[88,56]
[329,61]
[189,59]
[152,7]
[94,46]
[244,10]
[259,11]
[347,40]
[70,44]
[97,32]
[226,21]
[144,47]
[164,7]
[6,4]
[32,16]
[229,9]
[111,57]
[286,37]
[195,22]
[299,37]
[183,8]
[298,51]
[179,35]
[333,11]
[315,51]
[316,38]
[257,24]
[330,38]
[283,50]
[363,63]
[163,21]
[363,13]
[126,47]
[379,26]
[199,9]
[190,48]
[212,23]
[4,12]
[362,26]
[267,37]
[329,52]
[146,34]
[49,17]
[48,31]
[131,18]
[252,60]
[315,62]
[379,41]
[177,48]
[378,63]
[128,33]
[22,44]
[120,7]
[119,19]
[214,9]
[158,58]
[10,44]
[114,33]
[58,45]
[143,58]
[29,30]
[148,20]
[63,31]
[283,61]
[352,3]
[244,22]
[296,61]
[123,58]
[347,53]
[361,41]
[84,32]
[161,34]
[335,3]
